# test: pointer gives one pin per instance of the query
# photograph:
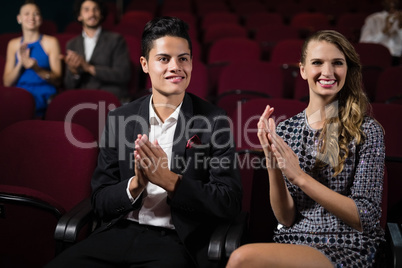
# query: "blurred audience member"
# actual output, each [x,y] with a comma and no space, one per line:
[385,28]
[97,59]
[33,60]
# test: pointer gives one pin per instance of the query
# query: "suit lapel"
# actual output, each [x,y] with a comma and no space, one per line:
[180,139]
[136,123]
[80,48]
[141,125]
[98,46]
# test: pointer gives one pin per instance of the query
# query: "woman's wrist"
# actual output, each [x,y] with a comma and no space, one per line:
[301,180]
[271,162]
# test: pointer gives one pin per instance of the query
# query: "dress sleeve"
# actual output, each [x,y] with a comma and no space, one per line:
[367,186]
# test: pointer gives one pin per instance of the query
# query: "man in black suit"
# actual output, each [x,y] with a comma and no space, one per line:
[165,177]
[96,59]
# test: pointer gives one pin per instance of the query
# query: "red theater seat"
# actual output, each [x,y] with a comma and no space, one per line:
[44,174]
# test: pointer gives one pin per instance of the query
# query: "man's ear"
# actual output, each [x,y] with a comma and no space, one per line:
[302,71]
[144,64]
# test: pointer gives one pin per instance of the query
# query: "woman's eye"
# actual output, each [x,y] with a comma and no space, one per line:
[338,63]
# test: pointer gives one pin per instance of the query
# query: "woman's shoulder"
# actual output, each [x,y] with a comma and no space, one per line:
[369,122]
[50,42]
[49,39]
[13,46]
[15,42]
[371,127]
[296,119]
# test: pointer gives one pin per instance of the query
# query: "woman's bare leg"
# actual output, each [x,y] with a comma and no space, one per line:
[278,255]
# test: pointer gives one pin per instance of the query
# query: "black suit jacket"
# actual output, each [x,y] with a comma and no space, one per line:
[210,189]
[111,59]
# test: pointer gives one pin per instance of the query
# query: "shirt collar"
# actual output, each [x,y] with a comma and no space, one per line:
[154,118]
[95,37]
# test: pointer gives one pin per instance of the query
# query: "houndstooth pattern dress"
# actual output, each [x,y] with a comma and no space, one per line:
[361,180]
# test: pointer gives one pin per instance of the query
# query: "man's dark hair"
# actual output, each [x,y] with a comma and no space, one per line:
[100,3]
[160,27]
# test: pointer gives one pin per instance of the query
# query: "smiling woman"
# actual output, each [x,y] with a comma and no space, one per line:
[326,161]
[324,67]
[33,61]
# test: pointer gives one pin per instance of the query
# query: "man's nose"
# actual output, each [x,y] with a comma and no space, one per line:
[174,65]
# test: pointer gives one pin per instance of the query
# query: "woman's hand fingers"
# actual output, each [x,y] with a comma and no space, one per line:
[263,130]
[279,158]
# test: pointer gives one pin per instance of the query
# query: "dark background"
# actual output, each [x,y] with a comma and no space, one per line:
[60,11]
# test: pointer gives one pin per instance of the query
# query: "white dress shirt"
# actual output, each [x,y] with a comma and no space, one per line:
[90,43]
[372,33]
[155,210]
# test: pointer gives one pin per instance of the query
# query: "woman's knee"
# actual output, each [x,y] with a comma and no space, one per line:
[240,257]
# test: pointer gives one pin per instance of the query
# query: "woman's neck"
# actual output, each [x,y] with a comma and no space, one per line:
[319,110]
[315,117]
[30,36]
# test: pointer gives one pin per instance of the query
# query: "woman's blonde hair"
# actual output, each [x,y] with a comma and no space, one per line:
[352,104]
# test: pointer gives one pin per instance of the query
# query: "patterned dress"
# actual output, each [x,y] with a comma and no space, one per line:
[361,180]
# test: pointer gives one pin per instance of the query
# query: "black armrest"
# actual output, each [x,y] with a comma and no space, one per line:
[17,198]
[71,223]
[227,237]
[396,243]
[217,242]
[236,233]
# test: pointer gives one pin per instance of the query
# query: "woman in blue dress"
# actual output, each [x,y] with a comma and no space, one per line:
[33,60]
[325,168]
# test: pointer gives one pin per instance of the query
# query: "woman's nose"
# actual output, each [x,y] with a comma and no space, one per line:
[327,69]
